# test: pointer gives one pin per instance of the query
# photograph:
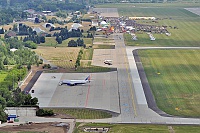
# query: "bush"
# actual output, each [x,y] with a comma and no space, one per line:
[42,112]
[46,66]
[41,61]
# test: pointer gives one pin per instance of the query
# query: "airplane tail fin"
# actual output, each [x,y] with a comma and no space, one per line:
[88,78]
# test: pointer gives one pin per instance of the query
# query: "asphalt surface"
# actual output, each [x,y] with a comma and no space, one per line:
[32,81]
[101,93]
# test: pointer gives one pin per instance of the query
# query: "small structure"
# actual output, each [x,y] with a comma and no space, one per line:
[95,23]
[30,11]
[38,30]
[103,24]
[75,26]
[48,25]
[152,38]
[142,18]
[13,49]
[11,118]
[46,12]
[96,129]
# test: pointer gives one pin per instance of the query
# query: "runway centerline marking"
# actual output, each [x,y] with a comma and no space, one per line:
[129,81]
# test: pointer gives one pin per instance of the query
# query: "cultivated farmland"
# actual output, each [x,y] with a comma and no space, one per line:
[174,79]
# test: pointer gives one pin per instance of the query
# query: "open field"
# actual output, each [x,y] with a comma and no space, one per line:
[169,15]
[60,56]
[82,113]
[89,16]
[174,79]
[103,46]
[138,128]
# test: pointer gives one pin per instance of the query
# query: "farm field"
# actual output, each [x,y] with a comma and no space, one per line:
[169,15]
[173,76]
[138,128]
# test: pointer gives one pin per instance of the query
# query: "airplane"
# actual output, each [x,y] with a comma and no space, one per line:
[74,82]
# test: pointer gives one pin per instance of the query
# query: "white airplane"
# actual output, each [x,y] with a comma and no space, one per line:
[74,82]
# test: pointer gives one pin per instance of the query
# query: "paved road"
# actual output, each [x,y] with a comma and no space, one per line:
[32,81]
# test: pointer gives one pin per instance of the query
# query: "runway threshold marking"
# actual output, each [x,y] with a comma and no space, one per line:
[129,81]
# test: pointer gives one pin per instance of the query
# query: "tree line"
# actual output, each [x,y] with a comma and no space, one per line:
[40,5]
[10,94]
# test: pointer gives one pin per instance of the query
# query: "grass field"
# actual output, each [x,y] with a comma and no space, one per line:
[138,128]
[188,24]
[174,79]
[103,46]
[59,56]
[83,113]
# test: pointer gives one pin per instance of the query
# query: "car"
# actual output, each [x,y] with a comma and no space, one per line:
[109,62]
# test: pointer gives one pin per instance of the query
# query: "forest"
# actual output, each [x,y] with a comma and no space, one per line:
[13,68]
[41,5]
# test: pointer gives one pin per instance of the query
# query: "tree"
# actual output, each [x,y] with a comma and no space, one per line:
[27,100]
[10,104]
[80,42]
[24,15]
[1,65]
[15,28]
[72,43]
[2,102]
[37,20]
[3,115]
[59,39]
[6,62]
[42,112]
[2,31]
[29,67]
[42,39]
[34,101]
[66,1]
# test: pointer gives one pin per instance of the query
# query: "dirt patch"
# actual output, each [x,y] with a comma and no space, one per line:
[171,130]
[35,127]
